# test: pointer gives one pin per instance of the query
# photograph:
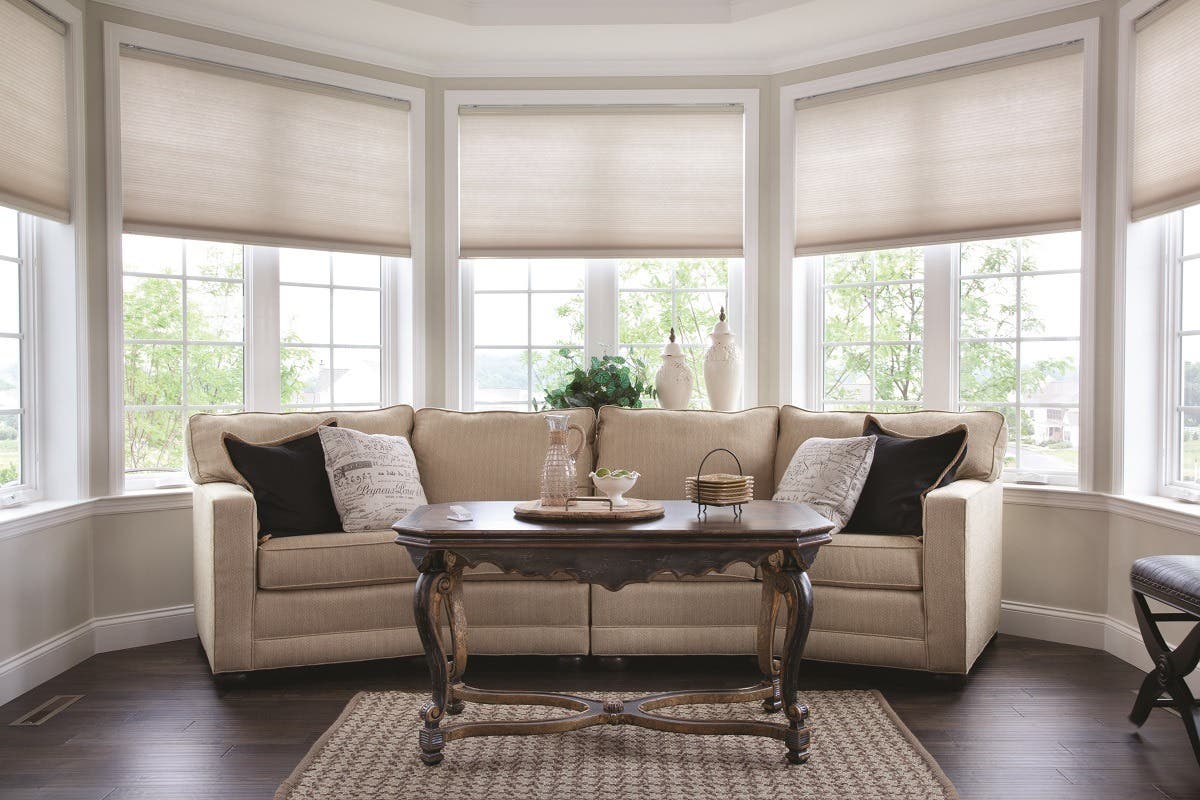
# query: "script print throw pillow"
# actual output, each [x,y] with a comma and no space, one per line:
[373,476]
[829,475]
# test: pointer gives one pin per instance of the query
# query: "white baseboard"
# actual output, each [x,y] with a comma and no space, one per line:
[1082,628]
[40,663]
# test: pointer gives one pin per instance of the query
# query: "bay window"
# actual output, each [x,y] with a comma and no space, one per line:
[938,259]
[266,242]
[534,320]
[583,229]
[188,347]
[1014,325]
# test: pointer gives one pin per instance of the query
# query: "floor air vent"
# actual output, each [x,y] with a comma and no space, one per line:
[48,709]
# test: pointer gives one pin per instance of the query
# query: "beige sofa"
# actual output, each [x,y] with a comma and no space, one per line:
[927,602]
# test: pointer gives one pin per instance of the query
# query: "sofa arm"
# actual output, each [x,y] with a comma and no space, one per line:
[224,546]
[963,526]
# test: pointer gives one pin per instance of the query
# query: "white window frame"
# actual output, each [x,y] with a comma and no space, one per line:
[800,361]
[27,262]
[1175,258]
[816,265]
[600,297]
[402,379]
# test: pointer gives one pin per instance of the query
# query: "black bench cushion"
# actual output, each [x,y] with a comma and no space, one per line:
[1174,580]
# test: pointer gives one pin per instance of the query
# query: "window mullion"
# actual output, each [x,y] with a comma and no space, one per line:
[262,329]
[940,337]
[600,298]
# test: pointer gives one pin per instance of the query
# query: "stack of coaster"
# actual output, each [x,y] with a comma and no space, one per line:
[720,489]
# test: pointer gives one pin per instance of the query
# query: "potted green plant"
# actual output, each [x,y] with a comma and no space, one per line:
[607,381]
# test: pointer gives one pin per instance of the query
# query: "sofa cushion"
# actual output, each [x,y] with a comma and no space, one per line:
[905,469]
[373,477]
[333,559]
[209,463]
[987,434]
[667,446]
[490,455]
[291,490]
[364,558]
[828,475]
[866,561]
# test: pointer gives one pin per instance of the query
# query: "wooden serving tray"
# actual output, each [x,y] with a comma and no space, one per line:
[588,509]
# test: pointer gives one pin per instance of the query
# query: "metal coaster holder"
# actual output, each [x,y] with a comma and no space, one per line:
[702,507]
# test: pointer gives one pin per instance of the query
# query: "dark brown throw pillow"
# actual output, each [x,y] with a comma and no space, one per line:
[904,470]
[289,482]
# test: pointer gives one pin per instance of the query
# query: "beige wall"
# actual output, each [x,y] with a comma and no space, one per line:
[141,561]
[45,585]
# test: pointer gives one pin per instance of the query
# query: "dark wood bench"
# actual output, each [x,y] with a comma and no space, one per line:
[1173,581]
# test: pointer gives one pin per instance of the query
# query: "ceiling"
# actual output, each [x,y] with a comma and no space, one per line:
[594,12]
[594,37]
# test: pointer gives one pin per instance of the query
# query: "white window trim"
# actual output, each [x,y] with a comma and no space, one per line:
[743,295]
[799,362]
[404,317]
[28,338]
[1174,257]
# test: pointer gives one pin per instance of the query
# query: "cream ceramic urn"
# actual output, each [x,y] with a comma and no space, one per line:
[723,368]
[674,380]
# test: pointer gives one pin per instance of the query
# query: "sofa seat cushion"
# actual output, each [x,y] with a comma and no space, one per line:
[324,560]
[363,558]
[866,561]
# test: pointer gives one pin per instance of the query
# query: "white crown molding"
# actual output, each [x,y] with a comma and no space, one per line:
[997,14]
[38,664]
[583,12]
[452,66]
[192,13]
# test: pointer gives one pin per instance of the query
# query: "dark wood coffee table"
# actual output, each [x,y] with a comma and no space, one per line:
[781,539]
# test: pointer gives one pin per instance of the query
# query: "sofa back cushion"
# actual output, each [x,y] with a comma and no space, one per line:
[987,434]
[491,455]
[208,461]
[667,446]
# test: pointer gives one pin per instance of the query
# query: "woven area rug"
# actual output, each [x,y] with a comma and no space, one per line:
[860,750]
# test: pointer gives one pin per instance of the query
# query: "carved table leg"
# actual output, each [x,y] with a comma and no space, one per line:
[798,590]
[458,635]
[768,612]
[433,583]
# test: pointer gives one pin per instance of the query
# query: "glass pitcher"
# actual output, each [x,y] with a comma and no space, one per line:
[558,473]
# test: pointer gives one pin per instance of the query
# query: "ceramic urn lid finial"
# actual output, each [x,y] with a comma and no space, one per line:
[722,326]
[672,347]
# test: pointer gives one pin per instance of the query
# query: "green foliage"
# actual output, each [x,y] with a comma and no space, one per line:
[608,381]
[154,373]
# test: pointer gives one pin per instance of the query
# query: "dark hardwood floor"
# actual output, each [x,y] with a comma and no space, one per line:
[1035,720]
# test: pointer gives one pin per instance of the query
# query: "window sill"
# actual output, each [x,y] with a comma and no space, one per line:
[1162,511]
[43,514]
